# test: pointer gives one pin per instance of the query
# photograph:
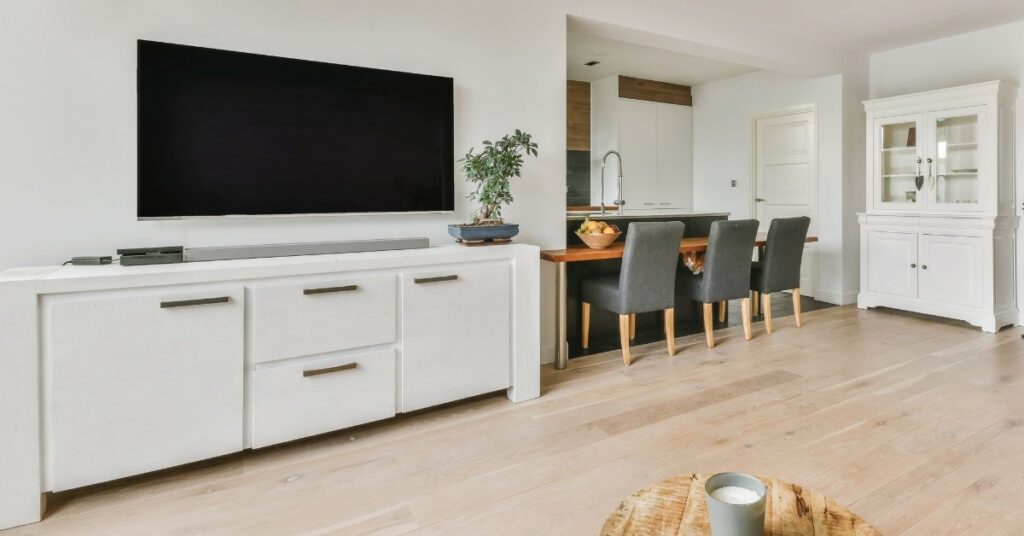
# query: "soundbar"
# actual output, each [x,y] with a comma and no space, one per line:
[303,248]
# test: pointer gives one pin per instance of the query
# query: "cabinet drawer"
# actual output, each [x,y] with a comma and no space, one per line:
[304,399]
[143,381]
[320,316]
[456,333]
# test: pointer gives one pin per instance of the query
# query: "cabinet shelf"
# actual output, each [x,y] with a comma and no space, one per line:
[899,149]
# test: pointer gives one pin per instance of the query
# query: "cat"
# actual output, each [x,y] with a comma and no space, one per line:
[694,261]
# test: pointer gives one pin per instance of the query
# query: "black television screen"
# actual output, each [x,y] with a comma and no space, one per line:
[226,133]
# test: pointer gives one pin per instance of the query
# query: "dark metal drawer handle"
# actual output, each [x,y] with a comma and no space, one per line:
[328,290]
[328,370]
[438,279]
[188,303]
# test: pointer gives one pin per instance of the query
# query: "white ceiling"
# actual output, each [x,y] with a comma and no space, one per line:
[620,57]
[855,25]
[871,25]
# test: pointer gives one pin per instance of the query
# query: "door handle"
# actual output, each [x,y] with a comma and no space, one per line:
[328,290]
[913,265]
[759,199]
[438,279]
[188,303]
[328,370]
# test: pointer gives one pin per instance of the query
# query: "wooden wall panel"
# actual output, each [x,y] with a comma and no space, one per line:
[577,111]
[651,90]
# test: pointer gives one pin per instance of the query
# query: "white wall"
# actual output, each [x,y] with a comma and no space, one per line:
[991,54]
[67,122]
[67,144]
[722,115]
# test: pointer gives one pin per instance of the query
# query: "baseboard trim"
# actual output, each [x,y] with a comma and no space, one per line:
[547,354]
[837,298]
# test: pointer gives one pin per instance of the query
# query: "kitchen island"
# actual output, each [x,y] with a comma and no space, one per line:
[604,325]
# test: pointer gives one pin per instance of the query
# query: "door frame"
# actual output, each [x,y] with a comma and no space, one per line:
[811,108]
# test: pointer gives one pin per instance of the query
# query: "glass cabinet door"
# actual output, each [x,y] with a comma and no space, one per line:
[898,164]
[953,143]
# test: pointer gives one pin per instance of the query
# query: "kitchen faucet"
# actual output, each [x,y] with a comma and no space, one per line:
[604,160]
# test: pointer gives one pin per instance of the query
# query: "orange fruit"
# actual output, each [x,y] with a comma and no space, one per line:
[593,226]
[608,230]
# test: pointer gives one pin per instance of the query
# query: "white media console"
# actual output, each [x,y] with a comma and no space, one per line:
[111,371]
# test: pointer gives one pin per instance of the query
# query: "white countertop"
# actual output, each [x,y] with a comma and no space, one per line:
[611,215]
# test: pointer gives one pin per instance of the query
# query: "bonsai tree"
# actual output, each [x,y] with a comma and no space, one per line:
[492,169]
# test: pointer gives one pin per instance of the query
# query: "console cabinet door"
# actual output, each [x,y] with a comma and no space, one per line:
[456,326]
[142,380]
[892,263]
[951,269]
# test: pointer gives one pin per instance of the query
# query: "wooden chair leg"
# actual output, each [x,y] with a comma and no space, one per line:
[796,307]
[670,330]
[709,325]
[754,301]
[586,325]
[624,337]
[632,326]
[766,308]
[745,306]
[721,311]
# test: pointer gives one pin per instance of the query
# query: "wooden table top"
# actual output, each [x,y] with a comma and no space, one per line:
[677,507]
[583,253]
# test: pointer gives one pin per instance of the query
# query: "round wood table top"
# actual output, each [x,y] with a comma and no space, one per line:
[677,507]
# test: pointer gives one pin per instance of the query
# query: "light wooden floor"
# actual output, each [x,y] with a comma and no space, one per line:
[913,423]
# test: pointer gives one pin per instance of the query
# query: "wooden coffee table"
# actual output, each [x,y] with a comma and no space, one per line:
[677,507]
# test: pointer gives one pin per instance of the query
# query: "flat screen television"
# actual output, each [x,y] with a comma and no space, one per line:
[228,133]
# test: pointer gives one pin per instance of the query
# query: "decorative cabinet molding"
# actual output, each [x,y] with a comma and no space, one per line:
[148,367]
[938,234]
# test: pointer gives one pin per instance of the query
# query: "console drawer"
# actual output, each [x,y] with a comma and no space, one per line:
[321,395]
[323,315]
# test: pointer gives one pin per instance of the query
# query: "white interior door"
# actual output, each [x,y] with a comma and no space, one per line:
[786,177]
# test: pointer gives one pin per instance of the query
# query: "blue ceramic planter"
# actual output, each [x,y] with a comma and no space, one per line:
[484,233]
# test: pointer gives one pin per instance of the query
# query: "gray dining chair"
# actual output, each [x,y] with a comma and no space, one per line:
[645,282]
[779,267]
[726,274]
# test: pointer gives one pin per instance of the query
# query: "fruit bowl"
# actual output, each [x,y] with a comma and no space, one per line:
[598,241]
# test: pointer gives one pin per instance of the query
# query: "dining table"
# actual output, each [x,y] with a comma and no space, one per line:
[694,245]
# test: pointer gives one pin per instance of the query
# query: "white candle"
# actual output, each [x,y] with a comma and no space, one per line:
[735,495]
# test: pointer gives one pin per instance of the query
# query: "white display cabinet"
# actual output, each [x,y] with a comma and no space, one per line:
[938,236]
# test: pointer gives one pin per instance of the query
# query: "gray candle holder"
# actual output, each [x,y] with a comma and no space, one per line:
[728,519]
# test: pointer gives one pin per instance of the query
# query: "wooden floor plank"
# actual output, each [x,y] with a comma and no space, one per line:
[916,424]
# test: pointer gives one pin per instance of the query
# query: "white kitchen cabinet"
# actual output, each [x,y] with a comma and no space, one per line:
[455,337]
[143,381]
[675,156]
[638,145]
[655,140]
[940,194]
